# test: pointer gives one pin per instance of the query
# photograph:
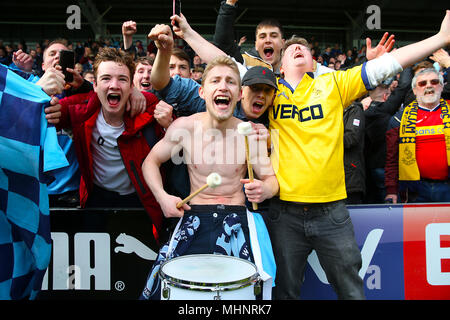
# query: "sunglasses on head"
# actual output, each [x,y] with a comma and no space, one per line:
[423,83]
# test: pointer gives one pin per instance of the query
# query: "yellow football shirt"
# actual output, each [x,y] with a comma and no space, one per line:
[306,124]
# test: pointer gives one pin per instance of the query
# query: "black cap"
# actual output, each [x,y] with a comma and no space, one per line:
[259,74]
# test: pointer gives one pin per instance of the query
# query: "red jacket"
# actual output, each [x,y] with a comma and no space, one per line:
[79,112]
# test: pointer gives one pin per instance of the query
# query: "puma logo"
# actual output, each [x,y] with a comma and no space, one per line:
[131,244]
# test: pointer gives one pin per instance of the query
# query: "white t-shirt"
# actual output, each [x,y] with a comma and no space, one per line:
[109,171]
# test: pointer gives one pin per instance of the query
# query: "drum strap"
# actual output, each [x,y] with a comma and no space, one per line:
[171,242]
[256,249]
[180,241]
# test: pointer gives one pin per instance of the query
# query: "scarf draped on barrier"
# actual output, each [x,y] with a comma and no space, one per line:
[408,169]
[231,241]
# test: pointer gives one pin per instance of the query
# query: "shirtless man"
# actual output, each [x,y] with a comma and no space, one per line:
[211,143]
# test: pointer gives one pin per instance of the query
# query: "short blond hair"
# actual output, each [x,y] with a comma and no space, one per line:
[222,61]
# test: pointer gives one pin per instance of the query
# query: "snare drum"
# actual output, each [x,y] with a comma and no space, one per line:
[209,277]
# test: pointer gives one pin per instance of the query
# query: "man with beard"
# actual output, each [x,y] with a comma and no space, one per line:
[417,158]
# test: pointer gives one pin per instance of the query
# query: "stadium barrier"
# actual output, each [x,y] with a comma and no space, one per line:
[108,253]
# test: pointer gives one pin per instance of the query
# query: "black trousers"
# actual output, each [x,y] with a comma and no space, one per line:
[102,198]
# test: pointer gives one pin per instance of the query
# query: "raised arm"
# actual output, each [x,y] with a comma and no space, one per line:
[23,60]
[385,45]
[206,50]
[412,53]
[128,30]
[443,58]
[224,31]
[387,65]
[163,37]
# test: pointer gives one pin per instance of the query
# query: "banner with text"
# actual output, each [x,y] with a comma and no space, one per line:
[107,254]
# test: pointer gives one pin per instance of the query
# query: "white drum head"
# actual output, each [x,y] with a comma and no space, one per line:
[208,268]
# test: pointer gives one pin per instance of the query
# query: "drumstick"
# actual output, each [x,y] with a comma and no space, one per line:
[213,180]
[245,128]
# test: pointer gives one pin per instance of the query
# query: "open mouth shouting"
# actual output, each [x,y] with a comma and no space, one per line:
[428,92]
[268,53]
[298,55]
[429,96]
[222,102]
[257,106]
[114,99]
[146,85]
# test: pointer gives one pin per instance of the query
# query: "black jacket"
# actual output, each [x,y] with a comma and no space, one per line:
[354,124]
[224,32]
[224,36]
[377,119]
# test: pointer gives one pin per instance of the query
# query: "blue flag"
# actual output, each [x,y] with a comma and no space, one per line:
[29,150]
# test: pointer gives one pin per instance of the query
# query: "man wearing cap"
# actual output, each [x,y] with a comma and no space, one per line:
[258,92]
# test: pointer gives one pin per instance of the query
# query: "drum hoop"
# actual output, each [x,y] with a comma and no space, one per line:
[209,286]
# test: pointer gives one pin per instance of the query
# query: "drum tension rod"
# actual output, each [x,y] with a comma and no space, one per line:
[165,291]
[217,296]
[257,288]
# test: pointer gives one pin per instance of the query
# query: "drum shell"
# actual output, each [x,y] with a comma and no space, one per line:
[173,288]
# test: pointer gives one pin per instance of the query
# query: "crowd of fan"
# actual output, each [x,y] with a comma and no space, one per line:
[369,186]
[352,126]
[333,57]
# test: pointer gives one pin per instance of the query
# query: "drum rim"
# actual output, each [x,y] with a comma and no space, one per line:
[209,286]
